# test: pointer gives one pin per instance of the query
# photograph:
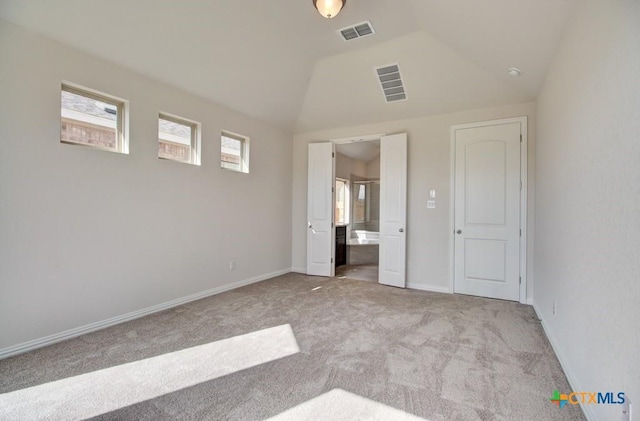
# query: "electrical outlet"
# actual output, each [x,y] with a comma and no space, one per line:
[554,307]
[232,265]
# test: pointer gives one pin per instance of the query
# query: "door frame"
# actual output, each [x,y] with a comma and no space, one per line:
[345,141]
[349,140]
[523,197]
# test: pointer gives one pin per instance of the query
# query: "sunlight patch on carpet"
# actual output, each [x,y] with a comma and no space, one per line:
[107,390]
[338,404]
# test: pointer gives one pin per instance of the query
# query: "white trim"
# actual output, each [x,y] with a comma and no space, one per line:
[524,159]
[452,208]
[571,378]
[523,196]
[353,139]
[529,301]
[299,270]
[111,99]
[427,287]
[92,327]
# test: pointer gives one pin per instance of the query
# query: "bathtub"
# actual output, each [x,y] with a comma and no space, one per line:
[362,237]
[363,247]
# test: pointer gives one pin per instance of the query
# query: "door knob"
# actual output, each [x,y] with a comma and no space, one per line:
[401,230]
[459,232]
[310,226]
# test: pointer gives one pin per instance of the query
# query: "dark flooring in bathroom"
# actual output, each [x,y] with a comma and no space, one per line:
[366,272]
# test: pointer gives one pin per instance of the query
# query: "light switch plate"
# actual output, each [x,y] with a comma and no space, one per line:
[432,193]
[431,204]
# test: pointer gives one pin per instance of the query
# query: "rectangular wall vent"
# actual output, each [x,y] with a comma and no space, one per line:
[357,31]
[391,83]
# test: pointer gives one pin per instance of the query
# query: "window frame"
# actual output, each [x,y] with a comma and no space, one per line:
[243,166]
[122,108]
[195,144]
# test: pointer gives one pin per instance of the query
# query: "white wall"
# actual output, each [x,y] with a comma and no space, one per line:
[428,168]
[587,255]
[86,235]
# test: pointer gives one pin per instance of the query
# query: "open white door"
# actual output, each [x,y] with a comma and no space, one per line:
[320,232]
[393,210]
[487,210]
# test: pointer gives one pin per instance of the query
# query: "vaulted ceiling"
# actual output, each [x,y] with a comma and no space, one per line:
[281,62]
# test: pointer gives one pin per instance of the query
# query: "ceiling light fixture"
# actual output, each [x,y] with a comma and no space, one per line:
[514,72]
[329,8]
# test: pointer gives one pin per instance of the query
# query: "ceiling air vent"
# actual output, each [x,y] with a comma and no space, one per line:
[357,31]
[391,82]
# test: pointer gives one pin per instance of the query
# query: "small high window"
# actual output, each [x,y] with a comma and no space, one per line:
[92,119]
[342,202]
[178,139]
[234,152]
[359,202]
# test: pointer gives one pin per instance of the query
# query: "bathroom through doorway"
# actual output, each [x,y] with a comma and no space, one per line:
[357,209]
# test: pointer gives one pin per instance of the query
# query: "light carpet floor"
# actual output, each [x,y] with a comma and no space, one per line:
[366,351]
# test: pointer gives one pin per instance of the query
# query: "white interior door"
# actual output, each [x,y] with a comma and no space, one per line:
[320,233]
[393,210]
[487,211]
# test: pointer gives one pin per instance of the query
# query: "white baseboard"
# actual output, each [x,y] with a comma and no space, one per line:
[299,270]
[92,327]
[529,301]
[571,378]
[427,287]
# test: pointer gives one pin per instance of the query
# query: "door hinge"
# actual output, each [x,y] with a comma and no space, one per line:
[521,280]
[332,225]
[520,232]
[520,185]
[332,260]
[333,154]
[520,138]
[333,190]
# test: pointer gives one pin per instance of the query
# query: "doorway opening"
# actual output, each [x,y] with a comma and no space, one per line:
[357,209]
[321,207]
